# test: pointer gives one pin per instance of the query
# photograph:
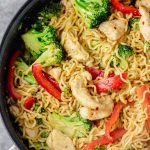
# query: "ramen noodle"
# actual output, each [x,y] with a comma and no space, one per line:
[99,53]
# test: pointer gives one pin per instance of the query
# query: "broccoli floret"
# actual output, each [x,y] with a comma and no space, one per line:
[43,47]
[35,41]
[44,134]
[133,21]
[40,39]
[93,11]
[47,12]
[43,18]
[39,121]
[125,51]
[52,56]
[73,126]
[22,66]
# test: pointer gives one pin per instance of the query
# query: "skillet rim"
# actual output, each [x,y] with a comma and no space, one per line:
[21,13]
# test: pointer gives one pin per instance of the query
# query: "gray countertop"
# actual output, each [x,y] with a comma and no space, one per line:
[8,8]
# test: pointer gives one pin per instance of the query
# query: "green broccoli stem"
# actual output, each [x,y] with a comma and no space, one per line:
[22,66]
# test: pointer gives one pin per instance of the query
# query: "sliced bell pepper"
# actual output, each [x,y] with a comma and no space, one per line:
[97,72]
[52,80]
[110,83]
[125,9]
[113,118]
[29,102]
[146,103]
[140,91]
[44,82]
[117,134]
[94,72]
[10,78]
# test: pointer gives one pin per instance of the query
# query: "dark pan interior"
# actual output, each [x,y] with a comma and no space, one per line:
[10,43]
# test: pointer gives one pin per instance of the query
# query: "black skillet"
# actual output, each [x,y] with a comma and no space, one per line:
[11,42]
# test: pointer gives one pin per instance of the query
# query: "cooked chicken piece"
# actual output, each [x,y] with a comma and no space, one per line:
[86,75]
[32,133]
[80,91]
[59,141]
[74,48]
[114,29]
[145,3]
[54,72]
[145,23]
[105,109]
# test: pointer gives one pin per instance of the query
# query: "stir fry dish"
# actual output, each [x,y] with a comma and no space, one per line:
[82,78]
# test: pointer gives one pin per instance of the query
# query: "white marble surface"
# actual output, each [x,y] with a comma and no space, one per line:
[8,8]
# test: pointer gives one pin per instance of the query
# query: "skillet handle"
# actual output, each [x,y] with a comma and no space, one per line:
[13,148]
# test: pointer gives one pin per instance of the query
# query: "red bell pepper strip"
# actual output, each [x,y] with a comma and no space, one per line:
[113,118]
[29,102]
[125,9]
[94,72]
[146,103]
[117,134]
[52,80]
[44,82]
[110,83]
[140,91]
[97,72]
[10,78]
